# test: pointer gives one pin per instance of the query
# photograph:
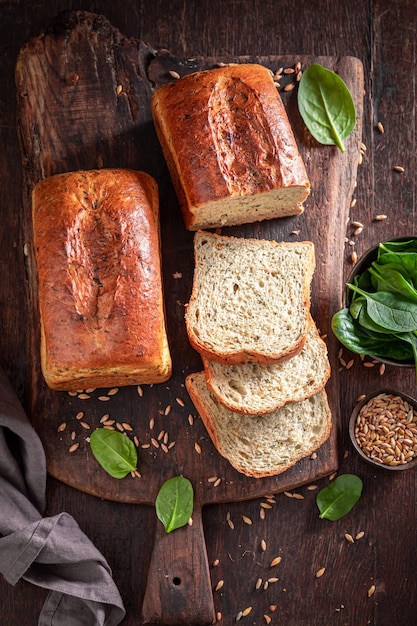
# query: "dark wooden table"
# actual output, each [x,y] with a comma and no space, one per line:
[382,34]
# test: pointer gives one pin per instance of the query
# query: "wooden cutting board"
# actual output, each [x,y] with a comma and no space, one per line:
[84,102]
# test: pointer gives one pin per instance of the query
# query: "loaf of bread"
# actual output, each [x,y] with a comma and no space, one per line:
[250,298]
[257,389]
[97,243]
[229,147]
[262,445]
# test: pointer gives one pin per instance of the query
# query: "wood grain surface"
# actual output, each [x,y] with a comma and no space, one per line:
[382,35]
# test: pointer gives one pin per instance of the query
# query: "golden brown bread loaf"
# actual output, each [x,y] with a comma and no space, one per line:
[97,243]
[229,147]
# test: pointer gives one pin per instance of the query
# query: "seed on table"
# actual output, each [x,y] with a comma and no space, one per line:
[79,415]
[62,427]
[74,447]
[349,538]
[219,585]
[320,572]
[112,392]
[102,398]
[276,561]
[247,520]
[360,535]
[380,217]
[258,584]
[381,128]
[371,591]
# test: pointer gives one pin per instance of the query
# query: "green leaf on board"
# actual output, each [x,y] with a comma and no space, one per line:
[115,452]
[174,503]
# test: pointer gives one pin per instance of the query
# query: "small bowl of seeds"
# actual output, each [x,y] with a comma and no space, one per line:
[383,429]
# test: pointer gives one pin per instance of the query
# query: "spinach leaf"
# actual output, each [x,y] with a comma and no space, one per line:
[338,498]
[115,452]
[174,503]
[393,312]
[326,106]
[361,341]
[389,278]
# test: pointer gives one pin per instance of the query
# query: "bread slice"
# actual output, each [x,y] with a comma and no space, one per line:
[229,147]
[250,299]
[257,389]
[263,445]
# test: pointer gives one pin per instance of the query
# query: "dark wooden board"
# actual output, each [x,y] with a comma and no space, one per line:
[71,116]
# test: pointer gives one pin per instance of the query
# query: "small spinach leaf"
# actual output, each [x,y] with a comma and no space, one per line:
[393,312]
[326,106]
[115,452]
[174,503]
[338,498]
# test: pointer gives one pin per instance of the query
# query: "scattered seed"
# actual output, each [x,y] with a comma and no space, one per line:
[85,425]
[247,520]
[246,611]
[112,392]
[155,442]
[371,591]
[139,390]
[190,419]
[145,446]
[109,422]
[268,619]
[312,487]
[120,427]
[263,545]
[381,369]
[74,447]
[399,168]
[314,456]
[216,562]
[258,584]
[119,89]
[136,441]
[275,561]
[289,87]
[151,423]
[167,410]
[62,427]
[102,398]
[127,426]
[381,128]
[349,538]
[109,427]
[273,580]
[72,393]
[288,494]
[262,513]
[174,74]
[161,435]
[360,535]
[354,257]
[180,401]
[320,572]
[266,505]
[380,218]
[219,585]
[84,396]
[171,444]
[298,496]
[217,482]
[197,448]
[79,415]
[73,435]
[239,616]
[266,585]
[218,616]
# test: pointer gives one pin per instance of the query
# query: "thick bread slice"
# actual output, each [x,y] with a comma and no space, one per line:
[257,389]
[250,299]
[229,147]
[263,445]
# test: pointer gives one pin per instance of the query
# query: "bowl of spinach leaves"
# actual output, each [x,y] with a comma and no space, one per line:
[380,314]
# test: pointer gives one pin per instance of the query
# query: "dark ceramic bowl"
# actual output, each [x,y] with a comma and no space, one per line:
[363,263]
[382,436]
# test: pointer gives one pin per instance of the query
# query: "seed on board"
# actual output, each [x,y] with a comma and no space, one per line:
[119,426]
[190,419]
[139,390]
[218,616]
[354,257]
[312,487]
[119,89]
[246,611]
[73,435]
[151,423]
[349,538]
[289,87]
[371,591]
[180,401]
[219,585]
[84,396]
[103,398]
[174,74]
[167,410]
[79,415]
[399,168]
[266,505]
[263,545]
[360,535]
[216,562]
[127,426]
[262,513]
[74,447]
[113,391]
[381,128]
[258,583]
[217,482]
[62,427]
[320,572]
[380,218]
[85,425]
[197,448]
[275,561]
[109,422]
[247,520]
[267,618]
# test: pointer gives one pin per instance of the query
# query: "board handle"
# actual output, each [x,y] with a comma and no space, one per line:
[178,589]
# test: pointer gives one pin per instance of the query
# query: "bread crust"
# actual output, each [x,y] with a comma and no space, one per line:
[225,135]
[97,244]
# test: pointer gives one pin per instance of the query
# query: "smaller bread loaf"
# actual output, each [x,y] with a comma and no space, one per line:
[229,147]
[250,298]
[257,389]
[97,244]
[265,445]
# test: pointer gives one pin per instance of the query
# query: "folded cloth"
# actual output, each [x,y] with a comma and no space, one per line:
[51,552]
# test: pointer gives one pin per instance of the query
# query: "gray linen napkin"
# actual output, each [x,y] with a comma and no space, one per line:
[51,552]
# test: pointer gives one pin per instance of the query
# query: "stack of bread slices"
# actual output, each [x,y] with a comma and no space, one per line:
[262,393]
